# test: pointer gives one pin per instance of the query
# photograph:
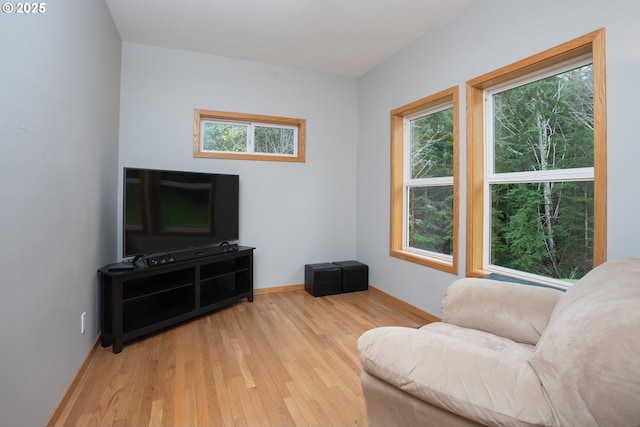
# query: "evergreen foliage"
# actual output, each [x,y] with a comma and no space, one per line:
[431,206]
[543,227]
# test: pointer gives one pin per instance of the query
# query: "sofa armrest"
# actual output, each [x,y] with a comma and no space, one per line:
[511,310]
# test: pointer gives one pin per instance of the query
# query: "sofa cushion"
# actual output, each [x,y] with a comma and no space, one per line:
[475,374]
[588,357]
[511,310]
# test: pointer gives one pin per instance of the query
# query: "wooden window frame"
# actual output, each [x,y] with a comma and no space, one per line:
[202,115]
[447,96]
[593,43]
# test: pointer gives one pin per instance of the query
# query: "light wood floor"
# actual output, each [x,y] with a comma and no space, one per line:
[286,359]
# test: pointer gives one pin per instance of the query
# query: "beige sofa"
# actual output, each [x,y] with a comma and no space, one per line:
[507,354]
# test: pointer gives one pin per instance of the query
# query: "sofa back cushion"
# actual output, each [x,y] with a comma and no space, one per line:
[510,310]
[588,357]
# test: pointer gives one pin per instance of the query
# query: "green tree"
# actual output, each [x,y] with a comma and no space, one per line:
[431,206]
[224,137]
[546,227]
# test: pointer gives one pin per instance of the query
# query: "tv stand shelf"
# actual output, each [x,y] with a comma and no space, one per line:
[138,302]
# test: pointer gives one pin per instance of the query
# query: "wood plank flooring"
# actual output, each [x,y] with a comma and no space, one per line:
[287,359]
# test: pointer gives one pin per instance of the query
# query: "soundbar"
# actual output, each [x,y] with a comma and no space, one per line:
[163,258]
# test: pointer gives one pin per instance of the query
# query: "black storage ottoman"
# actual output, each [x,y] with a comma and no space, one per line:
[322,279]
[355,276]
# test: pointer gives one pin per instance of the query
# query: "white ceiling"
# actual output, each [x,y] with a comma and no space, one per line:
[342,37]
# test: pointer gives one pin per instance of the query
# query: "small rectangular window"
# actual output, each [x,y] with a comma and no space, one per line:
[248,136]
[224,137]
[275,140]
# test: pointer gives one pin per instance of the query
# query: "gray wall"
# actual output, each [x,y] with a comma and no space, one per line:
[59,96]
[293,213]
[488,35]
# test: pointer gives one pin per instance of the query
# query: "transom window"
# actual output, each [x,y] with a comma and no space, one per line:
[235,135]
[537,165]
[424,181]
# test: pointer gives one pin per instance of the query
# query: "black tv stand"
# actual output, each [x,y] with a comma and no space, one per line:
[139,301]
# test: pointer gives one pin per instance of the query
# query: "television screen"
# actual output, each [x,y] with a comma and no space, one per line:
[171,210]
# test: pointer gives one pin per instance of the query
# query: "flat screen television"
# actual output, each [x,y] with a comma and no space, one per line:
[166,211]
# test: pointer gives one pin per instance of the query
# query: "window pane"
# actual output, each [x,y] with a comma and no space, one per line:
[430,221]
[432,145]
[546,124]
[274,140]
[224,137]
[543,228]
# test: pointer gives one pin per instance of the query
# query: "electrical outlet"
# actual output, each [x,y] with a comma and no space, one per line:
[83,322]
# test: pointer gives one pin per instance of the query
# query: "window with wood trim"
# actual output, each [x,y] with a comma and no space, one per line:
[536,165]
[424,181]
[225,135]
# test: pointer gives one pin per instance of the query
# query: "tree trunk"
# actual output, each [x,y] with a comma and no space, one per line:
[547,220]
